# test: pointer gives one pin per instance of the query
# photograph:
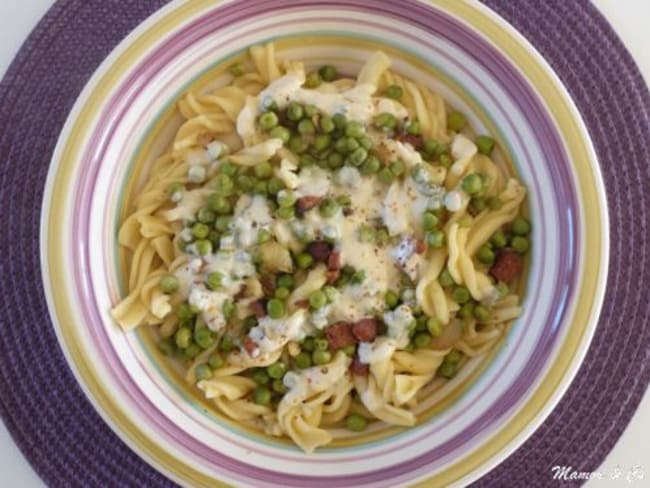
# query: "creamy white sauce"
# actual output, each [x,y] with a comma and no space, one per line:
[210,303]
[251,214]
[398,322]
[313,181]
[216,149]
[356,103]
[272,334]
[312,380]
[186,209]
[381,349]
[405,255]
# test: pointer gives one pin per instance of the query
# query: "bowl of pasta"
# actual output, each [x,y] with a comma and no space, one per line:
[324,244]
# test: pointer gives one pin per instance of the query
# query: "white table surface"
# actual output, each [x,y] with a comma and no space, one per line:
[629,18]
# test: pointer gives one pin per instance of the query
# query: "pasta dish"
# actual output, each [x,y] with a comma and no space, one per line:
[320,252]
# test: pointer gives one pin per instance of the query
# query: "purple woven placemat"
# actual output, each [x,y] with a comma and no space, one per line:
[47,413]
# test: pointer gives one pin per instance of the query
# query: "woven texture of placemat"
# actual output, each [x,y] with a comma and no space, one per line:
[48,415]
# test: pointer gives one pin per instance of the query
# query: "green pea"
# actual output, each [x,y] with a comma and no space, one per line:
[371,165]
[322,141]
[340,121]
[346,145]
[344,200]
[311,110]
[385,121]
[228,308]
[168,283]
[282,293]
[261,187]
[297,145]
[494,203]
[456,121]
[479,204]
[397,168]
[381,237]
[327,72]
[192,351]
[286,199]
[394,92]
[435,238]
[263,170]
[183,337]
[281,133]
[465,221]
[445,160]
[520,227]
[244,183]
[295,111]
[175,192]
[485,144]
[429,221]
[275,308]
[447,370]
[366,233]
[206,216]
[320,357]
[203,337]
[274,186]
[423,339]
[200,231]
[356,423]
[335,160]
[302,360]
[203,372]
[308,344]
[331,293]
[237,69]
[184,312]
[268,121]
[260,377]
[413,127]
[226,344]
[391,299]
[472,184]
[278,386]
[328,208]
[326,124]
[460,295]
[467,310]
[520,244]
[485,255]
[349,350]
[228,169]
[499,239]
[306,126]
[386,176]
[213,280]
[262,396]
[321,345]
[203,247]
[355,129]
[263,235]
[219,204]
[358,156]
[223,185]
[285,281]
[250,322]
[222,223]
[215,360]
[434,326]
[286,213]
[312,80]
[365,142]
[431,147]
[358,277]
[317,299]
[481,313]
[276,370]
[304,260]
[165,346]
